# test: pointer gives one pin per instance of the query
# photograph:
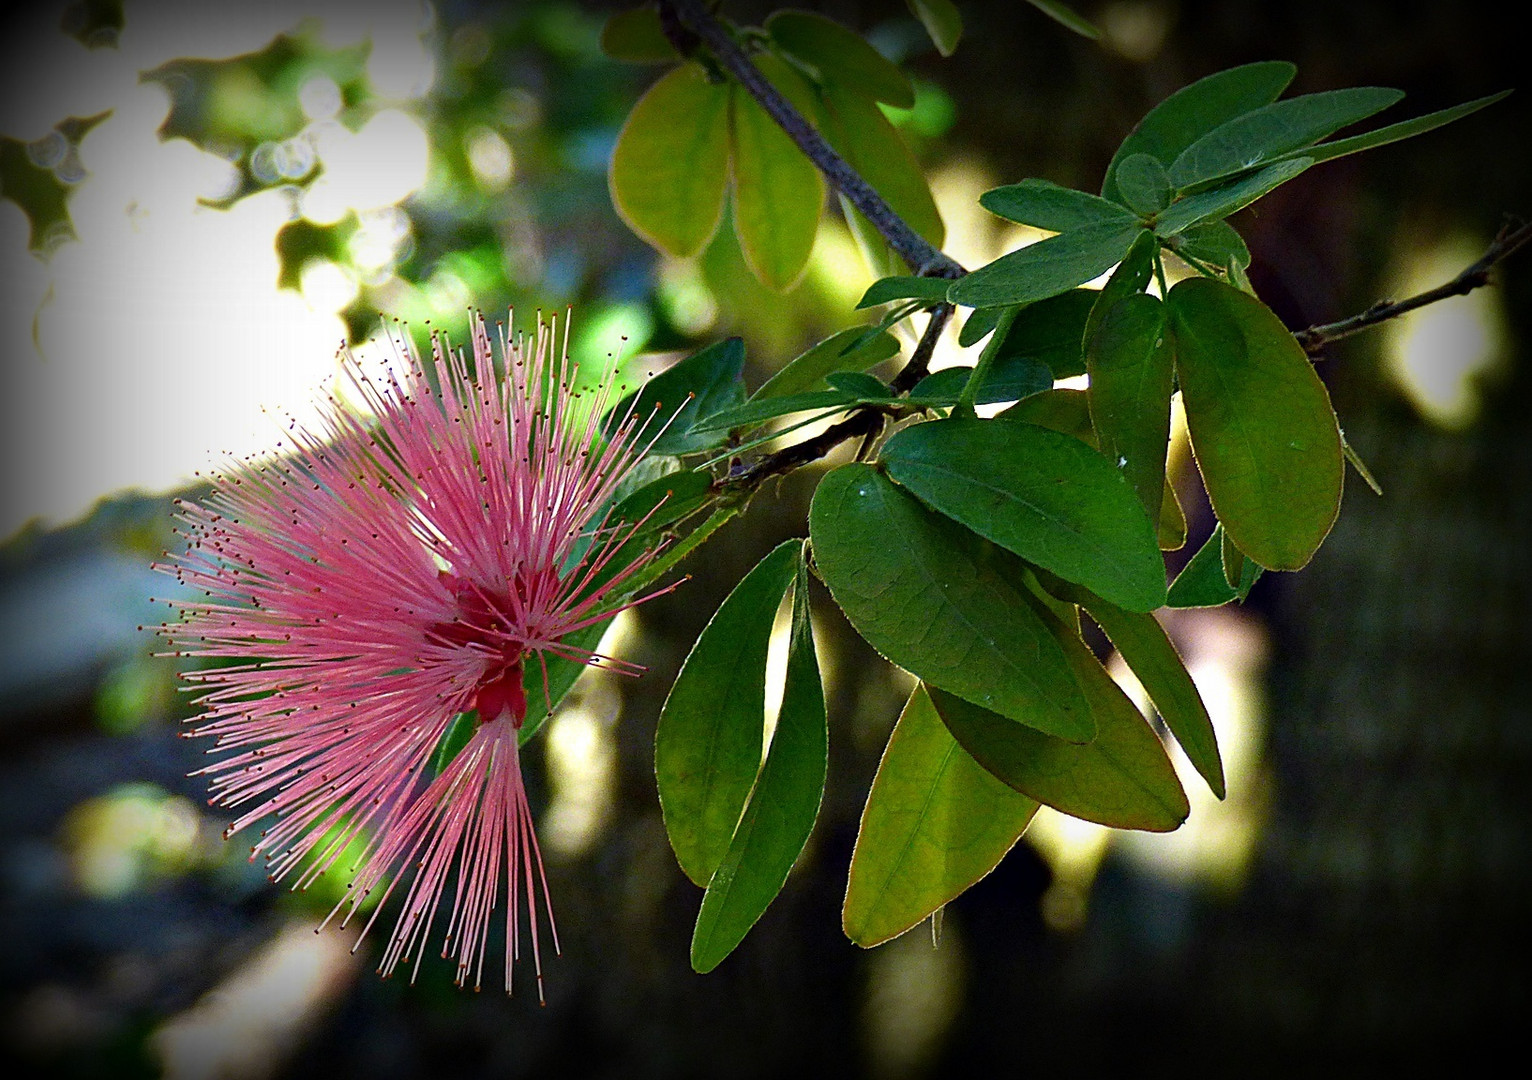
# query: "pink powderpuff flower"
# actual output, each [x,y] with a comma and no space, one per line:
[385,575]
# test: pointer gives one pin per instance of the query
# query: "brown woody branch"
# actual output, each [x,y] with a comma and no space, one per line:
[1509,239]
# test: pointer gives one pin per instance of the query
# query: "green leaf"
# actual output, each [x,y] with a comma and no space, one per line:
[840,56]
[858,384]
[782,807]
[1067,17]
[941,20]
[1219,202]
[980,324]
[1010,378]
[1270,131]
[856,127]
[1046,497]
[1201,582]
[935,599]
[778,193]
[1050,332]
[1131,277]
[1264,434]
[886,289]
[1149,653]
[856,349]
[1132,374]
[709,381]
[1046,268]
[1238,572]
[666,500]
[452,741]
[1213,242]
[1184,117]
[670,166]
[1143,183]
[636,36]
[707,747]
[756,412]
[1045,205]
[1405,129]
[935,823]
[1172,524]
[1123,779]
[1060,409]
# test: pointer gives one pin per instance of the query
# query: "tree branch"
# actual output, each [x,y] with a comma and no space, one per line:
[914,249]
[1315,339]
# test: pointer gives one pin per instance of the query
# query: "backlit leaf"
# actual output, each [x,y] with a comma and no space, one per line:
[707,747]
[1201,582]
[635,35]
[1262,429]
[942,22]
[778,193]
[1132,370]
[1046,497]
[934,598]
[670,165]
[935,823]
[1067,16]
[1184,117]
[840,56]
[782,807]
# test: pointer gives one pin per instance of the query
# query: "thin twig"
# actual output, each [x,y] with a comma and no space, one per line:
[914,249]
[866,422]
[1507,241]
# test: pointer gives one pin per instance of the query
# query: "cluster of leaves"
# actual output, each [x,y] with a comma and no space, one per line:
[966,549]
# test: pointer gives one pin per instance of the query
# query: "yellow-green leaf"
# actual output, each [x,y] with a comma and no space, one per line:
[670,165]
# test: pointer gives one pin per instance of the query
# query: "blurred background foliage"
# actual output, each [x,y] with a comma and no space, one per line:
[200,202]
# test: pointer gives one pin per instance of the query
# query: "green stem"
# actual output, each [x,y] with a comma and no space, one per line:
[997,338]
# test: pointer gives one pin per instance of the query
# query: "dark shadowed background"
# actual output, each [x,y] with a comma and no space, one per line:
[200,201]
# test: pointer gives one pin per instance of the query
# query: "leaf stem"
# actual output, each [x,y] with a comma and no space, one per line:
[986,361]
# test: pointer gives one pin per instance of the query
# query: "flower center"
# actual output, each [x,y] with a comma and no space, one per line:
[495,625]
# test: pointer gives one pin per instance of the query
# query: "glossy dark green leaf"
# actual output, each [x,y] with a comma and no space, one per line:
[707,747]
[1212,242]
[1060,409]
[1218,203]
[1184,117]
[856,349]
[1046,497]
[1144,184]
[709,381]
[1009,379]
[942,22]
[1152,657]
[1045,205]
[778,193]
[979,324]
[1132,374]
[1047,268]
[840,56]
[636,36]
[1201,582]
[1131,277]
[935,823]
[1405,129]
[1264,434]
[782,807]
[1051,331]
[756,412]
[1068,17]
[1123,779]
[934,598]
[670,167]
[859,384]
[1270,131]
[903,288]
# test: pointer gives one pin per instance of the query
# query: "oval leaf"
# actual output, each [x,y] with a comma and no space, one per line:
[1132,369]
[1145,186]
[707,382]
[1264,434]
[1201,582]
[931,597]
[707,747]
[670,165]
[941,20]
[1217,203]
[935,823]
[1046,497]
[778,193]
[856,349]
[1185,116]
[840,56]
[1045,205]
[637,37]
[1048,267]
[782,807]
